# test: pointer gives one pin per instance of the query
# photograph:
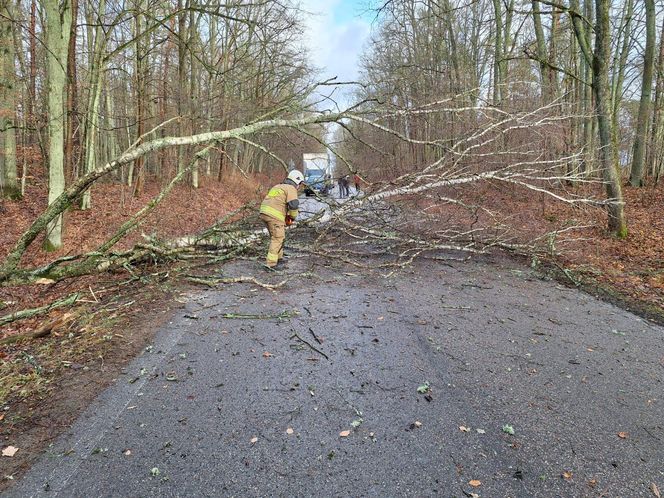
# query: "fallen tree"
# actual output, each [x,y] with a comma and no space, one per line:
[479,157]
[11,274]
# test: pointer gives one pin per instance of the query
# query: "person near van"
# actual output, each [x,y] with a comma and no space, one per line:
[345,183]
[279,209]
[356,181]
[340,184]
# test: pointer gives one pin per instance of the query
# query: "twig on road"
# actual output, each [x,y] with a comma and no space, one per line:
[282,315]
[296,335]
[315,336]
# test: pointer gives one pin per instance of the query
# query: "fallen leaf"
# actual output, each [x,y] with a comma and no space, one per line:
[475,483]
[592,483]
[344,433]
[267,354]
[567,475]
[9,451]
[655,490]
[254,440]
[464,429]
[424,388]
[508,429]
[623,435]
[155,471]
[289,431]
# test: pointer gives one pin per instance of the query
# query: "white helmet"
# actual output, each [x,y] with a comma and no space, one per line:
[296,177]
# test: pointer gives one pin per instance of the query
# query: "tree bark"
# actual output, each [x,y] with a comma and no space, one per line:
[141,63]
[71,133]
[182,80]
[619,65]
[638,157]
[8,173]
[655,159]
[498,54]
[32,122]
[541,53]
[611,173]
[94,97]
[58,29]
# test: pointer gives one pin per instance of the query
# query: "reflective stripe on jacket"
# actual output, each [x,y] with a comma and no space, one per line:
[275,202]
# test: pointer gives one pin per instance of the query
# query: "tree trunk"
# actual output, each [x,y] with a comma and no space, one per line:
[141,62]
[8,174]
[94,97]
[655,159]
[610,171]
[498,54]
[636,178]
[619,65]
[193,89]
[32,122]
[71,134]
[182,81]
[545,78]
[58,29]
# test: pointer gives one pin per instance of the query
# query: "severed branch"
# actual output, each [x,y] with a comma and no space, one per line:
[29,313]
[214,281]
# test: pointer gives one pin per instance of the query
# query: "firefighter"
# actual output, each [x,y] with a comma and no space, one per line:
[279,209]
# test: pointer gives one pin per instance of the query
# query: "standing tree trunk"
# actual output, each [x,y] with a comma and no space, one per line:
[498,53]
[193,88]
[610,171]
[58,29]
[71,161]
[655,159]
[8,174]
[182,81]
[92,119]
[636,178]
[141,63]
[32,122]
[545,69]
[619,64]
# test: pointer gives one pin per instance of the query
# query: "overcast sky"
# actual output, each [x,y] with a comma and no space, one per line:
[336,33]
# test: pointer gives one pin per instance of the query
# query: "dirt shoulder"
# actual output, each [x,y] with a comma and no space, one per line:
[49,381]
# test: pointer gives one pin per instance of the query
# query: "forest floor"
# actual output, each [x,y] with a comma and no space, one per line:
[120,313]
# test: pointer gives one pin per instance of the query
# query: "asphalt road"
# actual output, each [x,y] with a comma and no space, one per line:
[413,390]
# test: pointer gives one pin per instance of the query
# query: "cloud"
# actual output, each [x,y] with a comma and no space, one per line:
[335,39]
